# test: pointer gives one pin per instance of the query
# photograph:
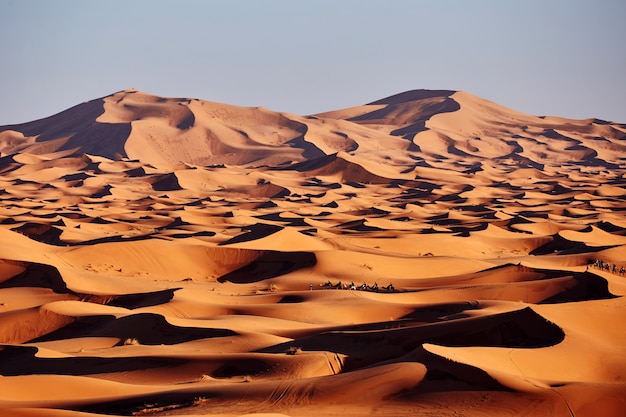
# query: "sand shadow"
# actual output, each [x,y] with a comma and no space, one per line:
[139,300]
[142,328]
[269,265]
[22,360]
[39,276]
[516,329]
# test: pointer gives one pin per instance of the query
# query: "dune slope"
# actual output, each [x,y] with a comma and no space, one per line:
[429,253]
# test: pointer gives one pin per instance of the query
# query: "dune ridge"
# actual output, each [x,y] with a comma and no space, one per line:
[427,253]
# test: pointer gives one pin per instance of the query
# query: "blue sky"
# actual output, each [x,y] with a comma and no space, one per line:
[543,57]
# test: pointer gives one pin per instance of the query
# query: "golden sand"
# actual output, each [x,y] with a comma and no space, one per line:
[173,256]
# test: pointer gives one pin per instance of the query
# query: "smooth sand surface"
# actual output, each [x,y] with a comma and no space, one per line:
[430,253]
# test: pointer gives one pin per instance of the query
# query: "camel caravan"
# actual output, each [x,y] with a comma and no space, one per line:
[606,266]
[363,287]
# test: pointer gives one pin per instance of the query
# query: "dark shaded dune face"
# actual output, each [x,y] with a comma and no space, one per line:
[541,286]
[413,95]
[23,360]
[291,299]
[134,301]
[175,111]
[39,276]
[444,375]
[310,151]
[45,233]
[76,129]
[559,244]
[333,165]
[143,328]
[517,329]
[441,312]
[412,114]
[581,287]
[104,139]
[167,182]
[269,265]
[241,367]
[267,190]
[254,232]
[65,123]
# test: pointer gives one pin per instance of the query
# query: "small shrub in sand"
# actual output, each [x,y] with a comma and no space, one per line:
[131,341]
[247,378]
[200,400]
[272,288]
[293,350]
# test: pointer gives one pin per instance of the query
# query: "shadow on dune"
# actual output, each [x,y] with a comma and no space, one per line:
[336,165]
[254,232]
[548,286]
[410,110]
[41,232]
[133,301]
[269,265]
[111,239]
[358,226]
[582,287]
[51,235]
[413,95]
[84,134]
[288,221]
[611,228]
[103,139]
[165,182]
[144,328]
[309,150]
[22,360]
[446,375]
[418,125]
[65,123]
[8,164]
[40,276]
[564,246]
[516,329]
[441,312]
[241,367]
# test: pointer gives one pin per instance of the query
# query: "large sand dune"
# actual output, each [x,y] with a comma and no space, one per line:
[174,256]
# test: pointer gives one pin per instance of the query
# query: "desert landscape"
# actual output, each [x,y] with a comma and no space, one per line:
[431,253]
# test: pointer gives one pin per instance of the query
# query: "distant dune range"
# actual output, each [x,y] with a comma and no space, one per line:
[175,256]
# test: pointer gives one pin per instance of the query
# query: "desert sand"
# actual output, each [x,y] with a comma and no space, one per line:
[175,256]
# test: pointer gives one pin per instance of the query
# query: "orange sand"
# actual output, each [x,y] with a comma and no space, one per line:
[166,256]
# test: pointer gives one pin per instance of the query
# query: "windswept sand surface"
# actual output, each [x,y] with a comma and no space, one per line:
[167,256]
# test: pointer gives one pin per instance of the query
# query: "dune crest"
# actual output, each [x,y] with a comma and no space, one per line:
[427,253]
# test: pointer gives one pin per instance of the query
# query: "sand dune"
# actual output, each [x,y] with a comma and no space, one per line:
[429,253]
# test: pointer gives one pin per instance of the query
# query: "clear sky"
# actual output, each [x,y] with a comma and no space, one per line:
[544,57]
